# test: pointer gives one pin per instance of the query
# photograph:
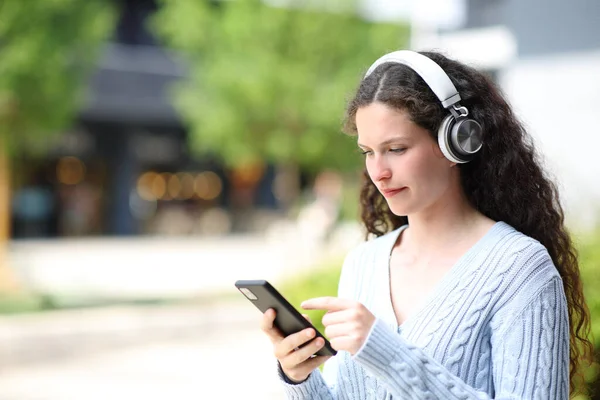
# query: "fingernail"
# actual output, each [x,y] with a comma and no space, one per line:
[310,333]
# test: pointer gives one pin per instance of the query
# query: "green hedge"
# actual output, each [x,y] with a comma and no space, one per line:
[28,302]
[20,303]
[589,263]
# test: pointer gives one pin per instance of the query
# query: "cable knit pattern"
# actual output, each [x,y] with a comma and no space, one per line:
[495,327]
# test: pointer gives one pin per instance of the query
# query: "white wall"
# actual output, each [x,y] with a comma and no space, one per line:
[558,97]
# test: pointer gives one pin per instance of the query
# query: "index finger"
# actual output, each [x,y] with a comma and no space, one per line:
[327,303]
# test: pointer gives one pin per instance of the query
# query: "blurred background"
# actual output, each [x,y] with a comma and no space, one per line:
[152,152]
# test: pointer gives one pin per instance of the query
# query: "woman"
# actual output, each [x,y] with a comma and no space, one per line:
[471,288]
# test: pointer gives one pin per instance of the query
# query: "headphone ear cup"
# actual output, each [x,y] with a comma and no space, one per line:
[466,138]
[444,140]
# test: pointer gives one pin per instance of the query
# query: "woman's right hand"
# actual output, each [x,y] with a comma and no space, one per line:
[295,362]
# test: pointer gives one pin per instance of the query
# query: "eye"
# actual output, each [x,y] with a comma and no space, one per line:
[365,152]
[398,150]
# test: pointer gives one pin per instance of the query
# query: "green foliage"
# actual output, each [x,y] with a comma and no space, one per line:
[270,83]
[46,49]
[589,262]
[589,258]
[30,302]
[21,303]
[318,282]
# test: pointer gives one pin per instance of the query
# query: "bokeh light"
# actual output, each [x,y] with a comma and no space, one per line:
[208,185]
[70,170]
[173,186]
[145,186]
[186,181]
[165,177]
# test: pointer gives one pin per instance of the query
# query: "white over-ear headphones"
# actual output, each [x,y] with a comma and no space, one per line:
[459,137]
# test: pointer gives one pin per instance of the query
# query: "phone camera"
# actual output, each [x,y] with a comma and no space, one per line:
[248,294]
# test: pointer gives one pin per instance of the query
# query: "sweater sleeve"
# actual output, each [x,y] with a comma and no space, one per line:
[530,356]
[315,387]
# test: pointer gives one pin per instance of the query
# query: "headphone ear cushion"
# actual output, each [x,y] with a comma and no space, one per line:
[444,140]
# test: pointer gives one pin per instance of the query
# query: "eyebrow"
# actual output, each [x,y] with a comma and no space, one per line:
[386,142]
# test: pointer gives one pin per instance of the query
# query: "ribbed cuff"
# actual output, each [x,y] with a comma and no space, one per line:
[380,347]
[285,378]
[312,388]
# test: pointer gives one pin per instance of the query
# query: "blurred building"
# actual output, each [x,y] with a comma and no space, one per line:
[545,54]
[125,167]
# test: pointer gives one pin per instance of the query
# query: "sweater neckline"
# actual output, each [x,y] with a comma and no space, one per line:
[442,283]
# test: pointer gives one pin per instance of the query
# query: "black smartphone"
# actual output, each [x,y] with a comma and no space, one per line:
[288,320]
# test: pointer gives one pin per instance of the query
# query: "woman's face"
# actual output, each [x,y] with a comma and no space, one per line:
[402,159]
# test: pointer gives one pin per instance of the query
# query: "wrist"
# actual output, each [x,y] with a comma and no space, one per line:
[292,380]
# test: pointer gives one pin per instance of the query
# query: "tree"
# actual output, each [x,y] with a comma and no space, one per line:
[46,51]
[270,83]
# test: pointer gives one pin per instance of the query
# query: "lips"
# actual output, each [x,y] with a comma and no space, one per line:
[387,193]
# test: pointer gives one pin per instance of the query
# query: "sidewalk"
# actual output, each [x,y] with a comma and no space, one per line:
[35,338]
[183,352]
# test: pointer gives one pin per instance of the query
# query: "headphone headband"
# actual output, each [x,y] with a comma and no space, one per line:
[433,75]
[459,137]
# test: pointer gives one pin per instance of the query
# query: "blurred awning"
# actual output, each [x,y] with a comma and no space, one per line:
[132,84]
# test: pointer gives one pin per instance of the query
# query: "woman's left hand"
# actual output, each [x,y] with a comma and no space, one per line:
[347,322]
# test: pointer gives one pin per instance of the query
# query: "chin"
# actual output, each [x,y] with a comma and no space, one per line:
[398,210]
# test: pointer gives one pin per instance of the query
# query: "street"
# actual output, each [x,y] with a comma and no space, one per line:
[224,364]
[207,349]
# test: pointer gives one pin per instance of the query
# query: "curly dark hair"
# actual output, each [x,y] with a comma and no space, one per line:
[532,207]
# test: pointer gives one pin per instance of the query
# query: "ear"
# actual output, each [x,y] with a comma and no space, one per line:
[436,150]
[439,154]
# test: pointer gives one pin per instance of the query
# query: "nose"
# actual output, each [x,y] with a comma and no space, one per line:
[378,168]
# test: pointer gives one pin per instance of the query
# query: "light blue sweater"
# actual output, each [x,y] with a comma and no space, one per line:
[495,327]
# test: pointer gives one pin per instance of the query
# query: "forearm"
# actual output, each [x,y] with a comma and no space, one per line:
[406,371]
